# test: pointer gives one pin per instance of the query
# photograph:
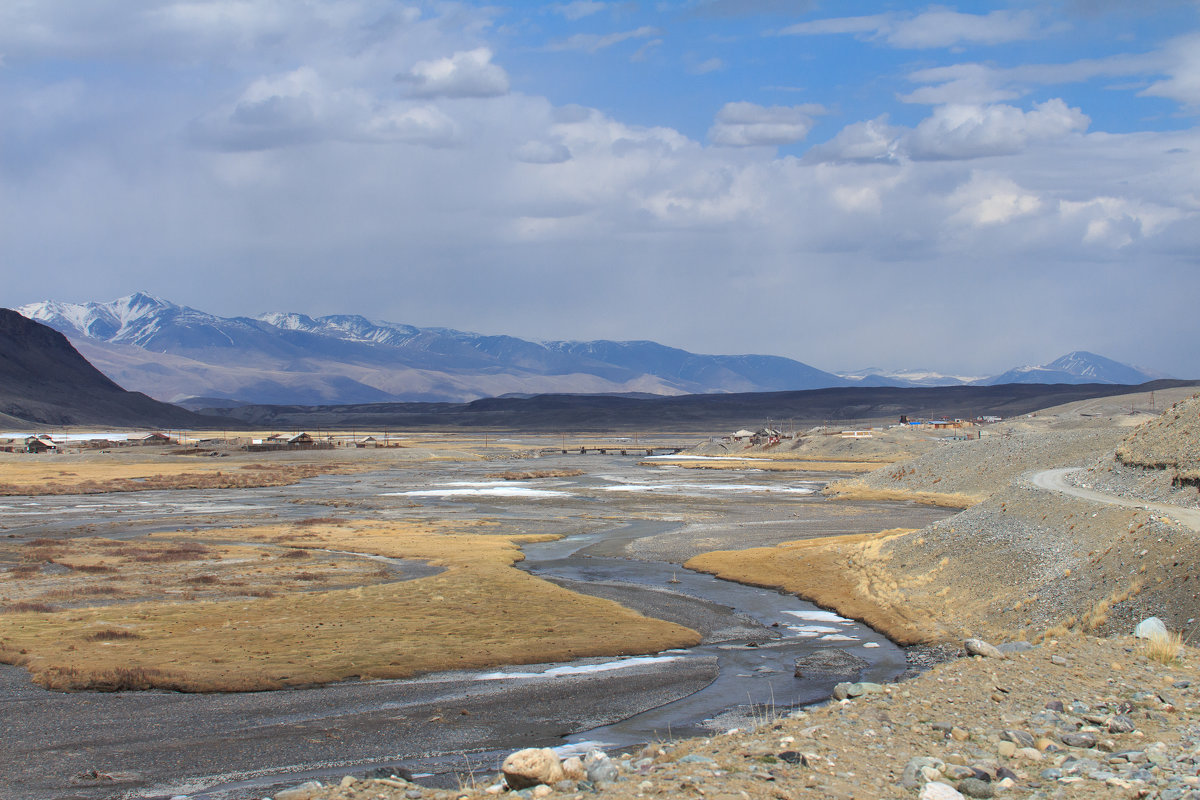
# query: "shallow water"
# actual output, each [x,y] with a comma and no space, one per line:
[626,528]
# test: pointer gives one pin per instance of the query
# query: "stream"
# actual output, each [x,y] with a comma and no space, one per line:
[628,528]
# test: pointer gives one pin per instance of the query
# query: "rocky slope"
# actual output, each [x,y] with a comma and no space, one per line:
[45,381]
[1077,717]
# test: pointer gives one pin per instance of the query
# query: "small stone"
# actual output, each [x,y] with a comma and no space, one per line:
[939,791]
[1018,737]
[347,781]
[841,691]
[542,791]
[1062,662]
[1121,724]
[573,769]
[1006,749]
[1029,754]
[1051,774]
[304,791]
[696,758]
[1082,740]
[910,779]
[645,786]
[978,647]
[532,766]
[973,787]
[958,734]
[1054,705]
[792,757]
[600,768]
[1043,744]
[957,772]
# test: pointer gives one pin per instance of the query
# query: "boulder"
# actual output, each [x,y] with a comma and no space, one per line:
[532,766]
[1150,628]
[830,662]
[978,647]
[574,770]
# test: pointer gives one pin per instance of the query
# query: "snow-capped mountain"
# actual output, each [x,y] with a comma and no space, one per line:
[1078,366]
[880,376]
[175,352]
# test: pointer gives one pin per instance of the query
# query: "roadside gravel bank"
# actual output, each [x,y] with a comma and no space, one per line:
[1077,717]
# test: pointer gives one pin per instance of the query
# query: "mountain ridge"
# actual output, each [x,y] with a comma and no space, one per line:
[178,353]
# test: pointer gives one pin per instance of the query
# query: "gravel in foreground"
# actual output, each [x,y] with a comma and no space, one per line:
[1079,717]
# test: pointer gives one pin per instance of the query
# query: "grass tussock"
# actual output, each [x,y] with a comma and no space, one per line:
[111,635]
[311,521]
[1164,648]
[28,608]
[853,490]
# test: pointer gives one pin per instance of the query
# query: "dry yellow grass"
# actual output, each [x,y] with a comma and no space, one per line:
[480,612]
[1163,648]
[853,490]
[95,477]
[773,465]
[843,573]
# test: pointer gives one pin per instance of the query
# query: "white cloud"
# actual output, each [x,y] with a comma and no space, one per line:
[300,107]
[1183,69]
[989,199]
[468,73]
[594,42]
[872,140]
[936,28]
[971,131]
[750,125]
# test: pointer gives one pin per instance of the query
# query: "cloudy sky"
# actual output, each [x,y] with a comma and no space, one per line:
[851,184]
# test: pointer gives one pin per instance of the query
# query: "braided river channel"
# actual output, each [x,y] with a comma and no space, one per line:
[627,524]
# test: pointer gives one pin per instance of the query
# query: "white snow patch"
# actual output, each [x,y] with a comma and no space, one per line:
[818,616]
[495,491]
[583,669]
[838,637]
[871,644]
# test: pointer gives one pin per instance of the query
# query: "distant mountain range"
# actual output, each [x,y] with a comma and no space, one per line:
[187,356]
[44,381]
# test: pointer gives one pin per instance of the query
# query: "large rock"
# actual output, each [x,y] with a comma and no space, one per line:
[978,647]
[1150,628]
[532,766]
[830,662]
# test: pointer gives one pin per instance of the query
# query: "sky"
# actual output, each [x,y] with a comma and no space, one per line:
[954,187]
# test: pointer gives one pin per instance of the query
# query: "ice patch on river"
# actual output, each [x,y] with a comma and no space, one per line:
[706,489]
[481,491]
[583,669]
[819,616]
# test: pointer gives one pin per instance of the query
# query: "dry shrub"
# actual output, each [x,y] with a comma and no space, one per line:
[37,608]
[207,580]
[111,635]
[43,543]
[308,576]
[91,568]
[317,521]
[260,593]
[297,553]
[1164,648]
[188,551]
[24,570]
[513,475]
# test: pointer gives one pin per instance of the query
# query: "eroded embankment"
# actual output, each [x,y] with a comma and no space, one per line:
[1021,561]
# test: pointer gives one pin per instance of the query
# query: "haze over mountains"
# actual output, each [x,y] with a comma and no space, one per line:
[175,353]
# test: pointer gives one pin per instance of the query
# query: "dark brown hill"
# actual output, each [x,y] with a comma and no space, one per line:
[712,412]
[44,381]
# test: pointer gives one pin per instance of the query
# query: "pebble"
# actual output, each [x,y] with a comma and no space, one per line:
[974,787]
[939,791]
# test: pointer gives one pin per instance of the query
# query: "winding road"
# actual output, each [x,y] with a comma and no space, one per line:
[1055,480]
